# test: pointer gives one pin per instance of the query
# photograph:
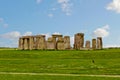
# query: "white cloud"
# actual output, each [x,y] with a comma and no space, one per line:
[10,39]
[1,20]
[57,33]
[62,1]
[114,6]
[101,32]
[53,9]
[50,15]
[47,35]
[66,6]
[38,1]
[113,45]
[27,34]
[11,35]
[5,25]
[14,35]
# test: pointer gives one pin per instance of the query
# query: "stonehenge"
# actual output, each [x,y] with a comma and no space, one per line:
[99,43]
[79,41]
[87,44]
[67,42]
[32,42]
[58,42]
[50,44]
[94,43]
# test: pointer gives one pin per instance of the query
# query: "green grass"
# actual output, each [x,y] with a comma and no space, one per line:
[65,62]
[28,77]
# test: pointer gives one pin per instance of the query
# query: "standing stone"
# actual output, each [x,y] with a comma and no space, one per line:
[28,42]
[31,42]
[60,44]
[40,42]
[99,43]
[67,42]
[93,43]
[43,42]
[21,47]
[26,45]
[55,37]
[87,45]
[54,41]
[79,41]
[37,42]
[50,44]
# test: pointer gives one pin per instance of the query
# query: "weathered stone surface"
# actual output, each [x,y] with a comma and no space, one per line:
[50,44]
[41,42]
[60,39]
[55,38]
[57,35]
[26,45]
[34,42]
[67,42]
[21,43]
[79,41]
[87,44]
[50,39]
[60,43]
[60,46]
[31,42]
[99,43]
[93,43]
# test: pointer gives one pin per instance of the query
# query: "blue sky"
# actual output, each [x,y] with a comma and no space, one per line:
[68,17]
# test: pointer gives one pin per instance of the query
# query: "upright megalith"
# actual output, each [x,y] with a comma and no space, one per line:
[25,43]
[67,42]
[79,41]
[21,43]
[50,44]
[60,43]
[31,42]
[40,42]
[94,43]
[87,44]
[99,43]
[55,38]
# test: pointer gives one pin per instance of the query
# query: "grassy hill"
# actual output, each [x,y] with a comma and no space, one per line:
[99,62]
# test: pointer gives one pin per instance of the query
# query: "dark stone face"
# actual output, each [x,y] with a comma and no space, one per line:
[99,43]
[79,41]
[93,43]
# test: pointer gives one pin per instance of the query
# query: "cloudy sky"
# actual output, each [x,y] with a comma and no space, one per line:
[68,17]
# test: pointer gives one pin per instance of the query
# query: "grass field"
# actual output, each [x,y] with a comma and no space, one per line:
[99,62]
[28,77]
